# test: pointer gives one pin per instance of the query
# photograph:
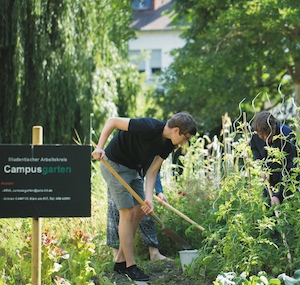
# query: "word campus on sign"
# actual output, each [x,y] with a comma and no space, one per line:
[45,181]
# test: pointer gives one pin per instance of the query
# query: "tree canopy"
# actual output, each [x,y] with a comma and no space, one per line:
[61,61]
[234,51]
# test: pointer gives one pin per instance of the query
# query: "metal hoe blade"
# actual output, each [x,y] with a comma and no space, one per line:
[175,237]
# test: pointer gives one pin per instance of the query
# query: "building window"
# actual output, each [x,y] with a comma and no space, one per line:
[148,61]
[137,59]
[142,4]
[155,61]
[155,70]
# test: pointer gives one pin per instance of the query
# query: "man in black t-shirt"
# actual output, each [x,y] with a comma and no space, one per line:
[137,141]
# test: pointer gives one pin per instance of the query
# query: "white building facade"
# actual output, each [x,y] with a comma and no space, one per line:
[156,37]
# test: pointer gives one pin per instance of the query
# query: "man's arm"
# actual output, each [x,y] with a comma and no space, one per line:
[111,124]
[150,182]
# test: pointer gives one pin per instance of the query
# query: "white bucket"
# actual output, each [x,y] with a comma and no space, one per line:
[187,257]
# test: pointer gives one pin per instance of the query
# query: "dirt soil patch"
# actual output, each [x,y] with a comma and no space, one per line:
[161,273]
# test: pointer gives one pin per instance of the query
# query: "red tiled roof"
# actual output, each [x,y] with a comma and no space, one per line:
[148,20]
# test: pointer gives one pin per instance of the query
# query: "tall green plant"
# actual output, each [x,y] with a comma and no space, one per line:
[62,61]
[242,233]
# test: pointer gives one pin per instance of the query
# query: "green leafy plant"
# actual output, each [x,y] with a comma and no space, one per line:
[242,234]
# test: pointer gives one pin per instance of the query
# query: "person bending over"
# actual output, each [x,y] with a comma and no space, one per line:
[269,132]
[136,142]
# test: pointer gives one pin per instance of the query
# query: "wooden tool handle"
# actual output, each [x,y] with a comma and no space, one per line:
[131,191]
[179,213]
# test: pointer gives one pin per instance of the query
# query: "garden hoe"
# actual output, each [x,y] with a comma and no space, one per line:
[167,231]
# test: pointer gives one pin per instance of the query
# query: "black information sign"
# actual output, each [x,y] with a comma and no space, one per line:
[45,181]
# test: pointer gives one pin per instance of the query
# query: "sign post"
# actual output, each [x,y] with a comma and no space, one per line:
[40,181]
[36,253]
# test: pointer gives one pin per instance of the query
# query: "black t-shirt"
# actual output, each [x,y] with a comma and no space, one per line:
[142,142]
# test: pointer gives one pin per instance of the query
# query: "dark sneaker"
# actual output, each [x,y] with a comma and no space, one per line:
[136,274]
[120,267]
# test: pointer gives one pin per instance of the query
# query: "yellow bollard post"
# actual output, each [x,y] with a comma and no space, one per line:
[36,252]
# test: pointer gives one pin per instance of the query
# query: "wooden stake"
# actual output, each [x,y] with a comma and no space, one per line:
[36,252]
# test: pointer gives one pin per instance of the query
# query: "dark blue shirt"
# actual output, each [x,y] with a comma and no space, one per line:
[284,142]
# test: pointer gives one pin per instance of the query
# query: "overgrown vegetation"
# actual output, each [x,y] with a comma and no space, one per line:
[234,50]
[61,61]
[242,234]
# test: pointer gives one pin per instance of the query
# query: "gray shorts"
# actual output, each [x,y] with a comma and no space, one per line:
[121,196]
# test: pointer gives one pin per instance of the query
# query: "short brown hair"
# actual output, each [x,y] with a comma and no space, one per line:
[185,122]
[264,122]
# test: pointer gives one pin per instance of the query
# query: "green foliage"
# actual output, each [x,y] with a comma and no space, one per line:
[62,61]
[234,50]
[241,235]
[72,248]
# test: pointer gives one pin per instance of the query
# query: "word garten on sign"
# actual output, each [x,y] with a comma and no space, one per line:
[45,181]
